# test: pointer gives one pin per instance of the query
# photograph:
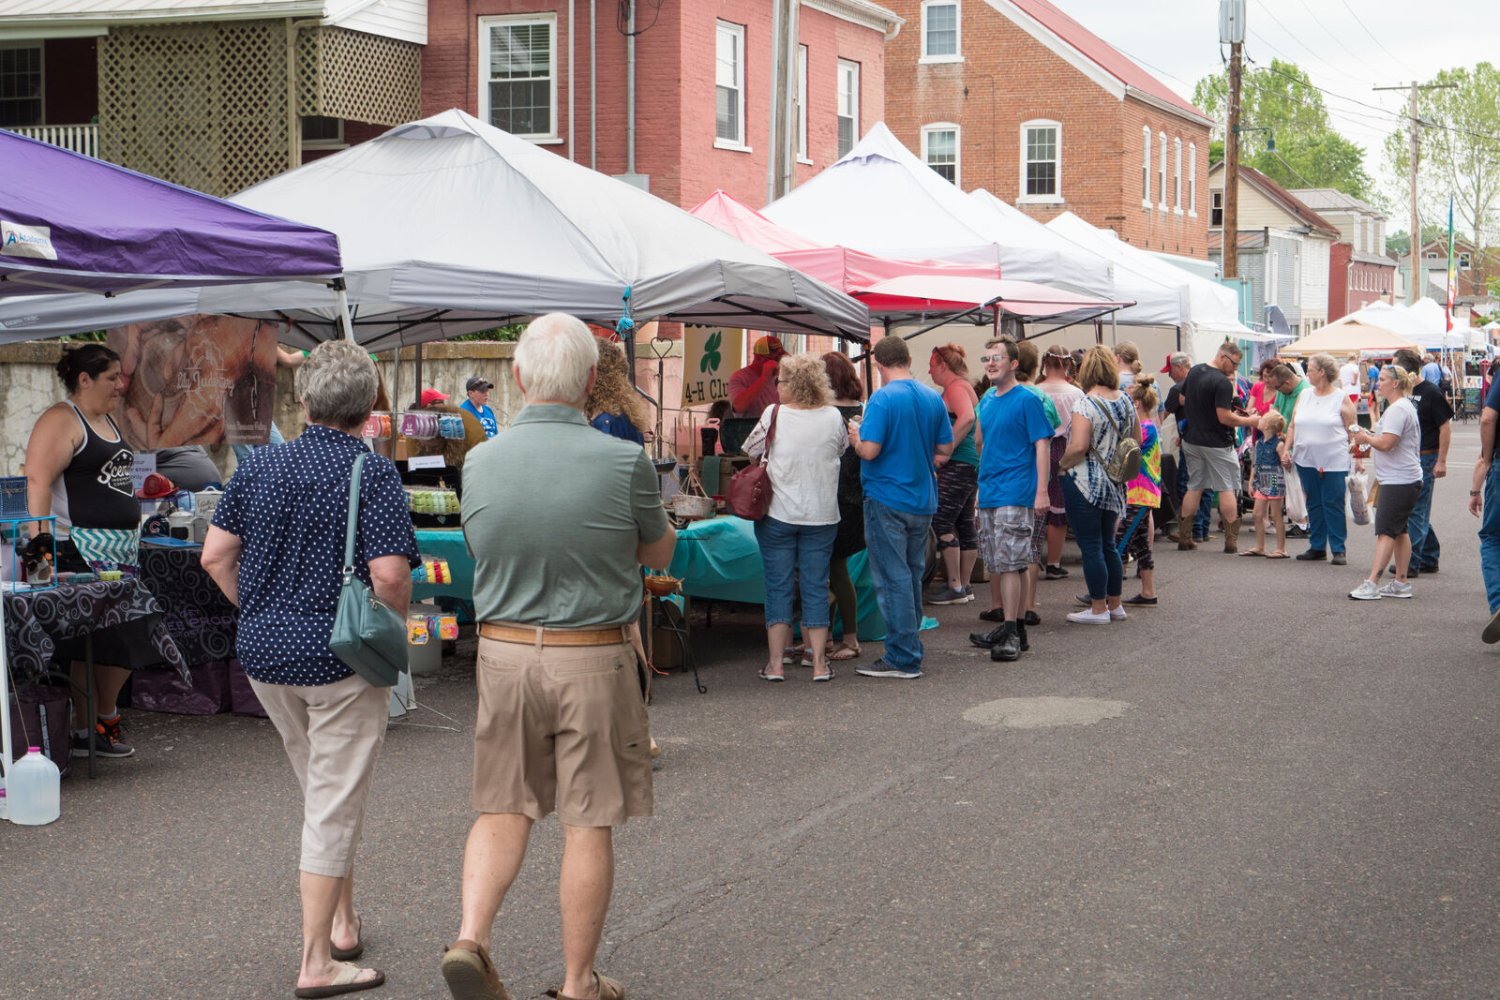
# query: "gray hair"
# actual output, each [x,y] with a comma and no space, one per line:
[1325,364]
[554,358]
[1177,359]
[338,383]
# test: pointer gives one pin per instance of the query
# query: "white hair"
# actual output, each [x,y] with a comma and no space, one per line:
[554,358]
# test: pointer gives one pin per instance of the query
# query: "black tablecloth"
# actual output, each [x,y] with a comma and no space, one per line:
[37,620]
[199,618]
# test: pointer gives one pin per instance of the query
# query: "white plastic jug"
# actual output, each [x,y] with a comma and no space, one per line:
[34,791]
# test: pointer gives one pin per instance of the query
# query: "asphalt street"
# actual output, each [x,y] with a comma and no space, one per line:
[1259,789]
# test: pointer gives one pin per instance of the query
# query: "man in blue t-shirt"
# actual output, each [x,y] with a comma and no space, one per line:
[1015,454]
[905,429]
[478,387]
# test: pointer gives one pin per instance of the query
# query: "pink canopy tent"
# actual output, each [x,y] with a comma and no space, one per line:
[839,267]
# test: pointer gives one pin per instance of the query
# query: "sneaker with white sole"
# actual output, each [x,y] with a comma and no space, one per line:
[1117,614]
[1089,618]
[1366,591]
[951,596]
[1395,588]
[880,668]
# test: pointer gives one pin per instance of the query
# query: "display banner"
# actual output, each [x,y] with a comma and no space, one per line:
[201,379]
[709,356]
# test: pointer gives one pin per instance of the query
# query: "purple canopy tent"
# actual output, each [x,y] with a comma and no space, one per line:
[71,223]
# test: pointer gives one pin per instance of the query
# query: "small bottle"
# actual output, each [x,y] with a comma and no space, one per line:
[35,790]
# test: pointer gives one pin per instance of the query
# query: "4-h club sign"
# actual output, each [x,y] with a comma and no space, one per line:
[709,356]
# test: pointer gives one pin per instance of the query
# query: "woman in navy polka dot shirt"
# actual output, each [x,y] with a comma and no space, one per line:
[276,549]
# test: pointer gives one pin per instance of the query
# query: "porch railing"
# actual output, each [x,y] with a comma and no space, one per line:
[79,138]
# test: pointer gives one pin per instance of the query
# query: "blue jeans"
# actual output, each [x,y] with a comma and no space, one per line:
[1094,529]
[1489,538]
[796,550]
[242,451]
[897,546]
[1326,527]
[1425,548]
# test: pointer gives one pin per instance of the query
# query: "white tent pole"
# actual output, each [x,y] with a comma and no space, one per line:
[343,296]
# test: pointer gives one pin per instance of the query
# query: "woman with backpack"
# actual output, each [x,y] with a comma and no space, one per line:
[1103,455]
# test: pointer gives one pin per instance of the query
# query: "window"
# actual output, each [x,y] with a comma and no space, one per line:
[1041,159]
[940,150]
[1432,255]
[1297,280]
[729,80]
[1463,261]
[1146,167]
[940,31]
[1216,213]
[1161,170]
[322,133]
[1271,278]
[802,104]
[1177,176]
[848,105]
[1192,178]
[20,85]
[518,74]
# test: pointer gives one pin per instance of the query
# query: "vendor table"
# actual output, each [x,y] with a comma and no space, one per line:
[36,621]
[446,543]
[198,616]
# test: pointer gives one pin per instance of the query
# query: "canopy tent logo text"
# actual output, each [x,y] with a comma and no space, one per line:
[17,240]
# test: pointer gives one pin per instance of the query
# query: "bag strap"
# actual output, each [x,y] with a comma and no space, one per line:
[359,463]
[771,433]
[1112,421]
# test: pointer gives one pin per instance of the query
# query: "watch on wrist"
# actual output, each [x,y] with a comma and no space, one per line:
[1474,493]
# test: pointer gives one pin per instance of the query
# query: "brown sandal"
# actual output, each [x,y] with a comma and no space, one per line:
[844,651]
[609,989]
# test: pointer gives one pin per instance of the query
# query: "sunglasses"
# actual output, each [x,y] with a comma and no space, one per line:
[988,359]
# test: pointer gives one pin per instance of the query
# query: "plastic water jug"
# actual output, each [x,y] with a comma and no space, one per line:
[34,791]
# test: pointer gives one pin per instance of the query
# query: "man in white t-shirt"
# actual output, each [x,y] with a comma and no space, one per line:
[1349,376]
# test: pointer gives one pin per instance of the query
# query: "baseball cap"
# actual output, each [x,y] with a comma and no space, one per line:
[430,396]
[478,383]
[769,345]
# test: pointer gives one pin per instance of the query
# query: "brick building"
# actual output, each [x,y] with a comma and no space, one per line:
[1359,272]
[1016,97]
[524,65]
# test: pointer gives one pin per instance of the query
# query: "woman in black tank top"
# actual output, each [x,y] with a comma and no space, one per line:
[75,445]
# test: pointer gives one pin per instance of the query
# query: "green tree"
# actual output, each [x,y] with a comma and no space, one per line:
[1309,151]
[1459,152]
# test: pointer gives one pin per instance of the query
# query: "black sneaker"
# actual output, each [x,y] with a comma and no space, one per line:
[1007,645]
[1339,559]
[880,668]
[1312,555]
[1296,532]
[1032,618]
[103,746]
[1054,573]
[992,615]
[1430,568]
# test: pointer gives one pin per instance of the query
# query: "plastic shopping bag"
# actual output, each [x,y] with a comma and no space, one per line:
[1358,482]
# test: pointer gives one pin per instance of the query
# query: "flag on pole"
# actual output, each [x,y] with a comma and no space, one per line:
[1452,266]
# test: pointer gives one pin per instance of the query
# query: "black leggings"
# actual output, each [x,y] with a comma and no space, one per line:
[958,486]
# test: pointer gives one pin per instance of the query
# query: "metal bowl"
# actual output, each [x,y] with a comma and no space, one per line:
[665,465]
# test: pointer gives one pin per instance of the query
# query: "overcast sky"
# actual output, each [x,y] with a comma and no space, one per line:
[1346,47]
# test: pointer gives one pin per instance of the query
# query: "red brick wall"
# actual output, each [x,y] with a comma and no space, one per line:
[1339,256]
[1007,78]
[675,107]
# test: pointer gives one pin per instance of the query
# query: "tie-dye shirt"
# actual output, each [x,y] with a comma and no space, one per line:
[1145,490]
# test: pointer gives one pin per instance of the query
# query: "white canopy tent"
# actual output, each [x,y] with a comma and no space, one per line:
[448,226]
[1206,311]
[1032,252]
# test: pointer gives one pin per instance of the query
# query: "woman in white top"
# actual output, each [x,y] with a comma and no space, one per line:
[1317,443]
[1397,449]
[796,536]
[1065,396]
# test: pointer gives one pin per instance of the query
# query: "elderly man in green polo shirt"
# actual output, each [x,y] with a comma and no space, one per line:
[559,518]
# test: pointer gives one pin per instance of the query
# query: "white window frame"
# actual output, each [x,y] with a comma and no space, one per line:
[550,20]
[1193,179]
[1145,166]
[1161,171]
[1056,198]
[337,142]
[1271,276]
[1465,261]
[1216,196]
[848,70]
[41,71]
[1177,176]
[723,29]
[1297,280]
[928,130]
[802,153]
[957,55]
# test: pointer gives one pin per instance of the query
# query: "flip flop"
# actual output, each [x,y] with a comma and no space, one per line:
[349,954]
[771,677]
[1277,555]
[344,982]
[844,652]
[1252,552]
[817,678]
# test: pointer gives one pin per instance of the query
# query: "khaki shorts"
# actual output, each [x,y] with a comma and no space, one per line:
[1209,468]
[561,728]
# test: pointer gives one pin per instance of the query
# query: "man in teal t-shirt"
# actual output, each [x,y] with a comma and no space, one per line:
[905,428]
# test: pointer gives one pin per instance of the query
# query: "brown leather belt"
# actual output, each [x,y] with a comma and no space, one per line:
[532,635]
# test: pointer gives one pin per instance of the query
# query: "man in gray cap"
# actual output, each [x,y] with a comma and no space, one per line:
[478,387]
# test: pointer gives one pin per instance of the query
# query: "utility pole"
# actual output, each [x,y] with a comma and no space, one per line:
[1414,285]
[1232,31]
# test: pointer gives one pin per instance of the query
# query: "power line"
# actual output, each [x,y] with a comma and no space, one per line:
[1367,31]
[1293,35]
[1330,34]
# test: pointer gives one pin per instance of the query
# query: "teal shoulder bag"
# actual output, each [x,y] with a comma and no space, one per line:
[368,635]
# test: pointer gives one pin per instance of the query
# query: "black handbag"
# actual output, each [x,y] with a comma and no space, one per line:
[368,635]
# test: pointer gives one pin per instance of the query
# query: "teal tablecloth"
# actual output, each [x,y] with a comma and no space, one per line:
[716,559]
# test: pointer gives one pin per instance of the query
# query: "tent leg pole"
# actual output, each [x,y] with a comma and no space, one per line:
[395,396]
[344,315]
[417,381]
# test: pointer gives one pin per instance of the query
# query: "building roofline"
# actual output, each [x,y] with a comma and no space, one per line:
[860,12]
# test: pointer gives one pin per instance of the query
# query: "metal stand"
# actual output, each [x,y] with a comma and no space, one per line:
[682,633]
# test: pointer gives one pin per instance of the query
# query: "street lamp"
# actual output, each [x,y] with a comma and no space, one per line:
[1270,136]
